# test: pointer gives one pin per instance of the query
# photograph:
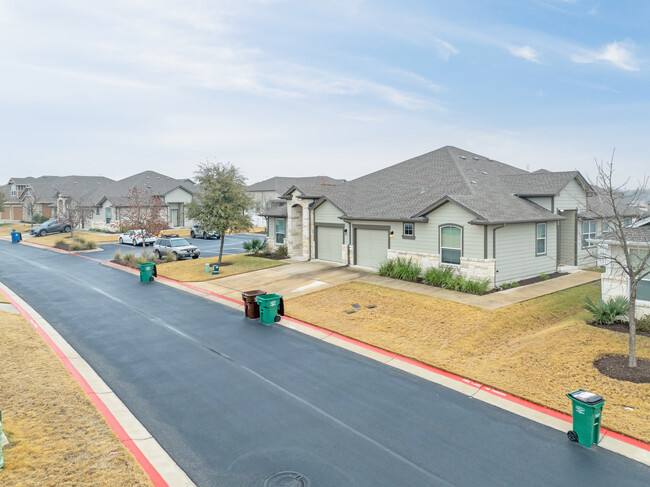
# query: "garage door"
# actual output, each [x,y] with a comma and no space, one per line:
[371,247]
[328,244]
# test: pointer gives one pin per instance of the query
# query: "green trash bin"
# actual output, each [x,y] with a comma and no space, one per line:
[587,413]
[269,304]
[146,271]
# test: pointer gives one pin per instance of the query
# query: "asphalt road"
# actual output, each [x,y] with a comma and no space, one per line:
[235,402]
[209,248]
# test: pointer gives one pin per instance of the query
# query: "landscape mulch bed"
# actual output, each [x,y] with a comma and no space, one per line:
[618,326]
[615,366]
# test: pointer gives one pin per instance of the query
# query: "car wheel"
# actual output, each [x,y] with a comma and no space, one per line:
[42,233]
[218,237]
[156,254]
[195,256]
[205,236]
[192,234]
[119,240]
[176,257]
[66,229]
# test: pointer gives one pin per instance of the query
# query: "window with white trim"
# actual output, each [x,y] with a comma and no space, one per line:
[588,231]
[627,221]
[279,230]
[13,190]
[408,230]
[605,227]
[451,244]
[540,244]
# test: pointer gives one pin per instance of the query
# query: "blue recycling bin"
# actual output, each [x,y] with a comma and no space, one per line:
[16,237]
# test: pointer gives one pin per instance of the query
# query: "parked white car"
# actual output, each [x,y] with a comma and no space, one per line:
[136,237]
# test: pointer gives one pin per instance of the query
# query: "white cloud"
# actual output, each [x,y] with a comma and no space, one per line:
[445,49]
[525,52]
[617,53]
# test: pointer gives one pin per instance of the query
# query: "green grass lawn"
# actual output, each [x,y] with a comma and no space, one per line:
[193,270]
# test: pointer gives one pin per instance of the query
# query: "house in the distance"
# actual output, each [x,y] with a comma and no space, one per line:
[449,207]
[104,198]
[269,190]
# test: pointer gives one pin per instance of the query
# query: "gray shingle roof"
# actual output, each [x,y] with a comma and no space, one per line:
[46,188]
[150,181]
[281,184]
[633,236]
[600,206]
[539,183]
[408,189]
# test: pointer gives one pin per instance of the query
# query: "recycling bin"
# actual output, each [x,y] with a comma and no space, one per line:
[16,237]
[251,308]
[146,271]
[269,305]
[587,414]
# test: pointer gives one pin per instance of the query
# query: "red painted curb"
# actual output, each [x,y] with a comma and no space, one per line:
[126,440]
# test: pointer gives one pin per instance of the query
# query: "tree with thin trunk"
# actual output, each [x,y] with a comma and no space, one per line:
[76,208]
[29,203]
[2,202]
[613,204]
[222,202]
[143,210]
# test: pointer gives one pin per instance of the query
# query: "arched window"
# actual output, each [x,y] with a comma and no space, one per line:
[451,244]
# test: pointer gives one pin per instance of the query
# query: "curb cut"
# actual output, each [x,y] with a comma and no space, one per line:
[154,460]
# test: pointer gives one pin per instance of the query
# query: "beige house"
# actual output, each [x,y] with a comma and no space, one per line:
[448,207]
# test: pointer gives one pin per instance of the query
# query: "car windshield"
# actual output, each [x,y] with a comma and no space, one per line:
[179,242]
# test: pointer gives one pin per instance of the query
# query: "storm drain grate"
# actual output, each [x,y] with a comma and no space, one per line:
[287,479]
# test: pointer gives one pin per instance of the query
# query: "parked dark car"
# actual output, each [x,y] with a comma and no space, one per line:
[198,232]
[51,226]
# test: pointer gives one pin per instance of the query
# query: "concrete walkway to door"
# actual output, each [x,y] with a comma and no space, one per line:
[293,279]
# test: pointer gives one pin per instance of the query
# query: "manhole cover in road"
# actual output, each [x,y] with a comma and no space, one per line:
[287,479]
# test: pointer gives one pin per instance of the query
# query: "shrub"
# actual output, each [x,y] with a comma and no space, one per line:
[169,258]
[39,218]
[514,284]
[476,287]
[505,285]
[281,252]
[439,276]
[387,268]
[606,312]
[61,244]
[255,246]
[406,270]
[643,323]
[544,276]
[82,244]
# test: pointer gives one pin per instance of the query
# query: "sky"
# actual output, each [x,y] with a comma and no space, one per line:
[337,88]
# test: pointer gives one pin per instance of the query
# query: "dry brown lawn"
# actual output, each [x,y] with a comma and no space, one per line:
[193,270]
[539,350]
[6,228]
[57,435]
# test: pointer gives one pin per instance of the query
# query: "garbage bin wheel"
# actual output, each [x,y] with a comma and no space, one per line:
[277,318]
[150,278]
[572,435]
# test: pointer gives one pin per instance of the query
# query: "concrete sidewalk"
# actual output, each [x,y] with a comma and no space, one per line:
[299,278]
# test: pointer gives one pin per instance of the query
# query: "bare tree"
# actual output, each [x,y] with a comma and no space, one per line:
[75,208]
[30,203]
[630,258]
[143,210]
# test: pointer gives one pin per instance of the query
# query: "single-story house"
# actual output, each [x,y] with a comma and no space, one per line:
[449,207]
[103,197]
[264,192]
[614,282]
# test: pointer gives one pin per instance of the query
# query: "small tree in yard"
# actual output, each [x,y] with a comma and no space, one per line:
[222,201]
[76,208]
[612,205]
[144,211]
[2,202]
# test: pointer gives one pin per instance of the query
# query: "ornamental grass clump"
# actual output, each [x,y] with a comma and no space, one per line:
[400,268]
[607,312]
[440,276]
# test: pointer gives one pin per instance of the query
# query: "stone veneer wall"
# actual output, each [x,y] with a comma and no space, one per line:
[612,286]
[475,269]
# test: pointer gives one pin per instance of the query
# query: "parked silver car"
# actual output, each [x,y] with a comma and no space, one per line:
[198,232]
[176,246]
[51,226]
[135,237]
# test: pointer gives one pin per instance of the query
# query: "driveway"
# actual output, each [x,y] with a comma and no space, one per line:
[236,403]
[289,280]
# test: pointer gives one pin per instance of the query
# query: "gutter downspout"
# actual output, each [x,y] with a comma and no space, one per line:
[310,211]
[494,250]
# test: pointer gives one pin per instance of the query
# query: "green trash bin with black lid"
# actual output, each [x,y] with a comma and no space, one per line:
[587,414]
[269,305]
[146,271]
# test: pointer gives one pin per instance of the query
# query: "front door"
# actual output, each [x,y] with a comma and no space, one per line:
[173,217]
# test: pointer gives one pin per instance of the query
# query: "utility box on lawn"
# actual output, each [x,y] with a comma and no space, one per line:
[587,414]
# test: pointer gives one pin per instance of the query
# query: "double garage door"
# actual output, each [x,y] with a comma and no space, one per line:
[371,246]
[329,241]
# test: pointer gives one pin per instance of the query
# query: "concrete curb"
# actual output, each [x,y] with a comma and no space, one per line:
[610,440]
[155,461]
